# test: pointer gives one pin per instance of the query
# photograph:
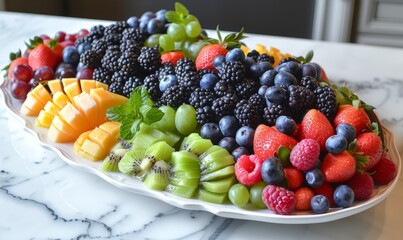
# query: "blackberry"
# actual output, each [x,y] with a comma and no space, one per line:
[166,69]
[110,60]
[117,86]
[232,72]
[174,96]
[205,114]
[98,30]
[130,46]
[184,65]
[134,34]
[246,88]
[189,80]
[247,114]
[309,82]
[201,97]
[202,72]
[259,102]
[151,84]
[326,101]
[224,105]
[102,75]
[222,88]
[116,28]
[113,39]
[100,46]
[150,59]
[130,85]
[288,59]
[265,58]
[120,76]
[300,99]
[91,58]
[253,54]
[128,63]
[90,38]
[272,112]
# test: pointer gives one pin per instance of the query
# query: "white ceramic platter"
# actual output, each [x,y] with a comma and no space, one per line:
[65,151]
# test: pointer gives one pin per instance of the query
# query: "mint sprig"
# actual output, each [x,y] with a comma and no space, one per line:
[179,15]
[137,110]
[308,57]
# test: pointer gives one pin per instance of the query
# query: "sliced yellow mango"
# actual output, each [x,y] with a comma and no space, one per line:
[85,104]
[73,117]
[60,99]
[55,86]
[72,90]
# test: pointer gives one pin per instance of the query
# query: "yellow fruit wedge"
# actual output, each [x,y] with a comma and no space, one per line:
[55,86]
[31,106]
[60,99]
[26,111]
[80,140]
[72,90]
[41,94]
[101,85]
[92,151]
[106,99]
[51,108]
[103,138]
[44,119]
[86,105]
[73,117]
[61,132]
[68,81]
[87,85]
[112,128]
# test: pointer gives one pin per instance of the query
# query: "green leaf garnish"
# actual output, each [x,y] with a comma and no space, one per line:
[181,9]
[308,57]
[283,153]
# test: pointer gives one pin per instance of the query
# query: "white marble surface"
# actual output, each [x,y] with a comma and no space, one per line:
[41,197]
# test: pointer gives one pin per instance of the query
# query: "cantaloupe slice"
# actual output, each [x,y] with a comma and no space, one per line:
[86,105]
[55,86]
[61,132]
[102,138]
[106,99]
[44,119]
[68,81]
[60,99]
[31,106]
[101,85]
[88,84]
[80,140]
[51,108]
[73,117]
[112,128]
[72,90]
[92,151]
[26,111]
[41,94]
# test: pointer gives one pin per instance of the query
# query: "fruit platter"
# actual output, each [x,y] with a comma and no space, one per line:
[155,106]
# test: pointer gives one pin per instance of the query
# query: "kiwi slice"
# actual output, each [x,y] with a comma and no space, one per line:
[181,191]
[210,150]
[184,182]
[130,163]
[219,174]
[157,177]
[198,146]
[192,174]
[124,144]
[110,164]
[207,196]
[157,151]
[188,139]
[143,141]
[170,138]
[217,164]
[219,186]
[184,157]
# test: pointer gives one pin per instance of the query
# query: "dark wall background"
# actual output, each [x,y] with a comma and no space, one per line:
[289,18]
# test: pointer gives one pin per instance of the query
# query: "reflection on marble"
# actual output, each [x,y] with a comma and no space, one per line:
[43,198]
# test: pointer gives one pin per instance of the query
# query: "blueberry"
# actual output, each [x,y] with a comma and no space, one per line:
[285,79]
[314,178]
[239,151]
[147,16]
[208,81]
[343,196]
[133,22]
[249,61]
[211,131]
[259,68]
[228,143]
[83,47]
[286,124]
[320,204]
[228,125]
[336,144]
[272,171]
[70,55]
[267,77]
[244,136]
[160,15]
[262,90]
[155,26]
[308,70]
[168,81]
[347,131]
[318,70]
[292,67]
[218,61]
[276,94]
[235,55]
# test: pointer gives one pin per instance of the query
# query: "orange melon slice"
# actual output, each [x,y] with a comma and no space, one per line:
[31,106]
[73,117]
[72,90]
[55,86]
[44,119]
[61,132]
[41,94]
[68,81]
[60,99]
[106,99]
[86,105]
[80,140]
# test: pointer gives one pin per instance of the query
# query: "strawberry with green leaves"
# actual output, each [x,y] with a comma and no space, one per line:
[16,59]
[369,144]
[41,54]
[338,168]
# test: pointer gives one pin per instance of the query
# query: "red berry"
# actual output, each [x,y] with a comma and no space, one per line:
[70,37]
[370,145]
[278,199]
[305,155]
[338,168]
[326,190]
[60,36]
[384,171]
[294,177]
[247,170]
[172,57]
[82,33]
[303,198]
[362,185]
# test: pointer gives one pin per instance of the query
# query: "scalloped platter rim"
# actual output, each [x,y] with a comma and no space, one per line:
[65,152]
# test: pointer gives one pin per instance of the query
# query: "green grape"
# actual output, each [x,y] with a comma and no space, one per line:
[239,195]
[167,122]
[176,32]
[195,48]
[193,29]
[256,195]
[185,119]
[166,42]
[152,40]
[190,18]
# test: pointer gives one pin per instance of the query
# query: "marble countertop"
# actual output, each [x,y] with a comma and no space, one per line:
[41,197]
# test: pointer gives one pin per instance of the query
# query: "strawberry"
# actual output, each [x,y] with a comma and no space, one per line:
[316,126]
[204,59]
[355,116]
[15,59]
[303,198]
[294,177]
[338,167]
[267,140]
[42,55]
[326,190]
[362,185]
[370,145]
[384,171]
[172,57]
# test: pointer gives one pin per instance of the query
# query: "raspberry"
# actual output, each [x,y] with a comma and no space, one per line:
[362,185]
[278,199]
[247,170]
[294,177]
[326,190]
[304,156]
[384,171]
[303,198]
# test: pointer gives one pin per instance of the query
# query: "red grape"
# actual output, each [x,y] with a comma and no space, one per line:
[44,37]
[23,72]
[82,33]
[66,43]
[85,73]
[70,37]
[34,82]
[44,73]
[20,89]
[60,35]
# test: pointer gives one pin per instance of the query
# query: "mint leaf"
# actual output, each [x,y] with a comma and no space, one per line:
[135,127]
[172,17]
[152,115]
[117,113]
[309,56]
[181,9]
[125,128]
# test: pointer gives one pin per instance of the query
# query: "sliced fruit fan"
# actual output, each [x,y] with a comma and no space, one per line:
[157,99]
